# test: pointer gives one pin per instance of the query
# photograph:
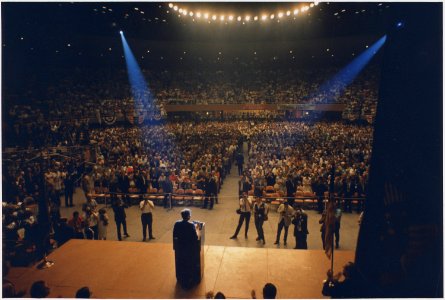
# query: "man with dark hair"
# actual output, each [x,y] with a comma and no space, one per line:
[319,188]
[185,237]
[120,218]
[84,292]
[286,213]
[39,289]
[147,207]
[245,205]
[240,163]
[269,291]
[290,190]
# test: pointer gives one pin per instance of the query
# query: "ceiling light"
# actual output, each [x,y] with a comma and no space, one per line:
[280,15]
[296,11]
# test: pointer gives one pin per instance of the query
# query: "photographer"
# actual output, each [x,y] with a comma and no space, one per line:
[147,207]
[245,208]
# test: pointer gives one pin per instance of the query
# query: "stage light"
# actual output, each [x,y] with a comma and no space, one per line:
[206,16]
[311,5]
[272,16]
[280,15]
[239,18]
[222,18]
[296,11]
[184,12]
[180,10]
[400,24]
[288,13]
[230,18]
[316,3]
[198,15]
[247,18]
[121,32]
[170,5]
[264,18]
[175,7]
[214,17]
[256,18]
[191,14]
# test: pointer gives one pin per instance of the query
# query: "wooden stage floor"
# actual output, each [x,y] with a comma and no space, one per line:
[115,269]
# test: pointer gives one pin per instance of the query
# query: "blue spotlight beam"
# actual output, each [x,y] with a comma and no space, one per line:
[139,88]
[333,87]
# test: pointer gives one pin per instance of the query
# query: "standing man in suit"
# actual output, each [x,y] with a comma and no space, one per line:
[186,235]
[240,163]
[69,189]
[291,188]
[300,229]
[120,217]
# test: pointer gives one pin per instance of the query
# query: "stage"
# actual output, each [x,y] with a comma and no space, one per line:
[115,269]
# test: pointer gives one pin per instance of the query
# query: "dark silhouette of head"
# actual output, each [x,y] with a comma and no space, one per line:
[186,214]
[269,291]
[83,292]
[39,289]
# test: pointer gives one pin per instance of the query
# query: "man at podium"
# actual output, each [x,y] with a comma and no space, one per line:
[187,245]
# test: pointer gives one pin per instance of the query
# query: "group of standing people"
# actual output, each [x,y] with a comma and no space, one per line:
[260,210]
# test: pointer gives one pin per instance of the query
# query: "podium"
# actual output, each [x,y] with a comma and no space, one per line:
[189,259]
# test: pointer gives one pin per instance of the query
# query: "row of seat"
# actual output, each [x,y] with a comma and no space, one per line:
[178,197]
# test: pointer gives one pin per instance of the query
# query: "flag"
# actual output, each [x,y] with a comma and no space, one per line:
[329,228]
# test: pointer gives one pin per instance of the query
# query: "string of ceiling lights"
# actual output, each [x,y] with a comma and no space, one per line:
[209,16]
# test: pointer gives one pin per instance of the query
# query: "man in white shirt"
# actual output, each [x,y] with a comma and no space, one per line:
[286,212]
[147,207]
[245,205]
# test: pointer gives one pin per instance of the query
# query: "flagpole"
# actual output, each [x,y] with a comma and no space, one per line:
[331,199]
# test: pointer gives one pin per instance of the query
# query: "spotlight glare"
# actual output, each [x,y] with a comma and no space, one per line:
[247,18]
[170,5]
[311,5]
[272,16]
[175,7]
[222,18]
[239,18]
[184,12]
[296,11]
[180,10]
[198,14]
[230,18]
[191,14]
[280,15]
[206,16]
[264,18]
[256,18]
[121,32]
[214,17]
[288,13]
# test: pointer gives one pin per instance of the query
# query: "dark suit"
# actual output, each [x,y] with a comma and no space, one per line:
[120,218]
[211,192]
[290,189]
[124,185]
[187,251]
[300,231]
[69,190]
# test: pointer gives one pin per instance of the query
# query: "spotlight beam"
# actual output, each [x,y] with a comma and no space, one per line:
[139,88]
[333,87]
